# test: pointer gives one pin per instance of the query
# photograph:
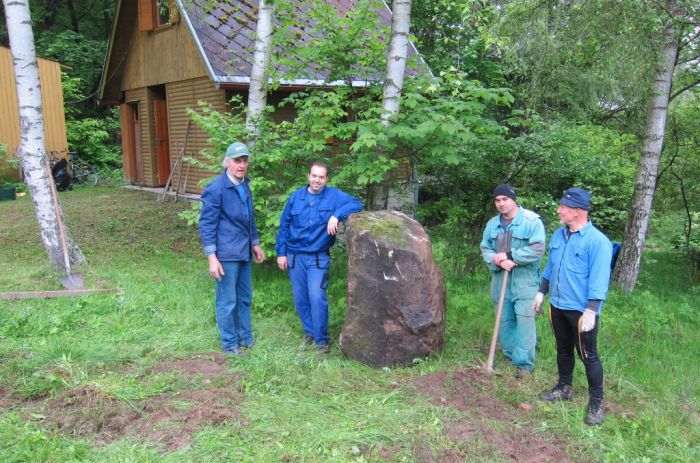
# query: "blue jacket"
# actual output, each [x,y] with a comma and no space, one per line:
[578,269]
[226,222]
[305,217]
[526,249]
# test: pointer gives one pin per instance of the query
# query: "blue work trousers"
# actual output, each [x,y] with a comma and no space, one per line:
[308,275]
[234,295]
[517,332]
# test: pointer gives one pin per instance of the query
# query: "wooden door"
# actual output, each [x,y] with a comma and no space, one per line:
[162,142]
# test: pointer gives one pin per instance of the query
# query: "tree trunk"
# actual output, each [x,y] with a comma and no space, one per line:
[393,85]
[628,263]
[31,149]
[73,17]
[257,93]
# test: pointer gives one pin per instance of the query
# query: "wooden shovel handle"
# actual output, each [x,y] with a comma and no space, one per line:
[499,311]
[59,220]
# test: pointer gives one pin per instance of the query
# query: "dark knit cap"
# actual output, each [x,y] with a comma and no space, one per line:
[577,198]
[504,190]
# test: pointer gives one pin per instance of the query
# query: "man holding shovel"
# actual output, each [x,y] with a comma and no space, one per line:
[512,246]
[577,274]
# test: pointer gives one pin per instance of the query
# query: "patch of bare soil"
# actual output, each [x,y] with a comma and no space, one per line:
[169,420]
[209,366]
[468,389]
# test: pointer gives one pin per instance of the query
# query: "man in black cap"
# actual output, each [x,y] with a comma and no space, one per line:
[513,241]
[577,274]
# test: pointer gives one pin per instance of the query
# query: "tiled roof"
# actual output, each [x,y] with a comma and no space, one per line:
[225,32]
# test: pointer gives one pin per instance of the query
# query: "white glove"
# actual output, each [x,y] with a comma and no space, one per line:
[537,303]
[587,320]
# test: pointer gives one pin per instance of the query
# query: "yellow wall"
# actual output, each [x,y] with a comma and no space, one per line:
[51,100]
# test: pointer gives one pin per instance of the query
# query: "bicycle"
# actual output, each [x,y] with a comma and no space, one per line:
[83,173]
[68,170]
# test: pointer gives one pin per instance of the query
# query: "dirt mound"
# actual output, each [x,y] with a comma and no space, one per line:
[209,366]
[493,421]
[169,419]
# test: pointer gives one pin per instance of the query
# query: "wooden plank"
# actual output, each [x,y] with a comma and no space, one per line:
[12,296]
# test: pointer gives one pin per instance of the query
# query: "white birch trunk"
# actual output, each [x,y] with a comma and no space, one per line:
[396,59]
[31,149]
[257,93]
[393,85]
[628,263]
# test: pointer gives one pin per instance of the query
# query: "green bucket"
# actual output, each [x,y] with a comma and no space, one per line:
[8,193]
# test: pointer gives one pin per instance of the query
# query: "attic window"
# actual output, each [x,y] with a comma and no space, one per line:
[154,14]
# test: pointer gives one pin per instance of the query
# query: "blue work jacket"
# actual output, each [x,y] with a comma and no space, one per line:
[226,221]
[305,217]
[526,249]
[578,269]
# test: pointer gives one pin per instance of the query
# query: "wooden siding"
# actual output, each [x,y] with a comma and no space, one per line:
[51,100]
[180,96]
[160,57]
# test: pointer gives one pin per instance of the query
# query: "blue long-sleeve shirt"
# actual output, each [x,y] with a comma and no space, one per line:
[578,268]
[304,220]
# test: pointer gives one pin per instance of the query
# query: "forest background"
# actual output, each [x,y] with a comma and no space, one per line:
[543,95]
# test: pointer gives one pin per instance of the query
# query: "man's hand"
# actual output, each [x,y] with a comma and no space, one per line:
[498,258]
[587,320]
[258,254]
[215,268]
[282,263]
[507,264]
[537,303]
[332,227]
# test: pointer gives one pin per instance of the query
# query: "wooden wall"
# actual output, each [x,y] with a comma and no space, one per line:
[161,56]
[51,100]
[180,96]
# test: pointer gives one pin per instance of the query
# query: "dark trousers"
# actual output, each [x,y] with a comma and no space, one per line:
[568,335]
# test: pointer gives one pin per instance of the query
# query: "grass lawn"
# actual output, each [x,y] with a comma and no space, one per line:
[137,376]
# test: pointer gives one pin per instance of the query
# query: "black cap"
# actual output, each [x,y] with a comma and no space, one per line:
[504,190]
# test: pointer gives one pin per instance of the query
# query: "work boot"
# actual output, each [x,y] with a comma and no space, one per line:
[596,412]
[558,392]
[522,373]
[308,340]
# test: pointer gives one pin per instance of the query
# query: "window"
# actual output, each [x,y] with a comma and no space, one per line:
[156,13]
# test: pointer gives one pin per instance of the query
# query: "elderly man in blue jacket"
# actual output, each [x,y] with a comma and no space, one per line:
[577,275]
[308,225]
[230,240]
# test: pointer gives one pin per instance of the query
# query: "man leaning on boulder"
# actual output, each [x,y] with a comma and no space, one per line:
[514,241]
[308,225]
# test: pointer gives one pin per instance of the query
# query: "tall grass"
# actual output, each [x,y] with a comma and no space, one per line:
[299,405]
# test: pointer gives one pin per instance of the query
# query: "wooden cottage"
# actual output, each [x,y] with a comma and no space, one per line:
[51,101]
[165,56]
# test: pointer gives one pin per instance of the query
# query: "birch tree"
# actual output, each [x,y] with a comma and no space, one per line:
[257,92]
[32,151]
[627,267]
[393,85]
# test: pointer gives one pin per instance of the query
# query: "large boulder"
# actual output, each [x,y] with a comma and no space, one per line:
[396,293]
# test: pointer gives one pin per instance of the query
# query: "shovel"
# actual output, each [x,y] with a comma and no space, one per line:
[502,245]
[499,311]
[69,280]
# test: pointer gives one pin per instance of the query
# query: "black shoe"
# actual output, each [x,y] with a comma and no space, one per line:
[558,392]
[522,373]
[596,412]
[308,340]
[324,348]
